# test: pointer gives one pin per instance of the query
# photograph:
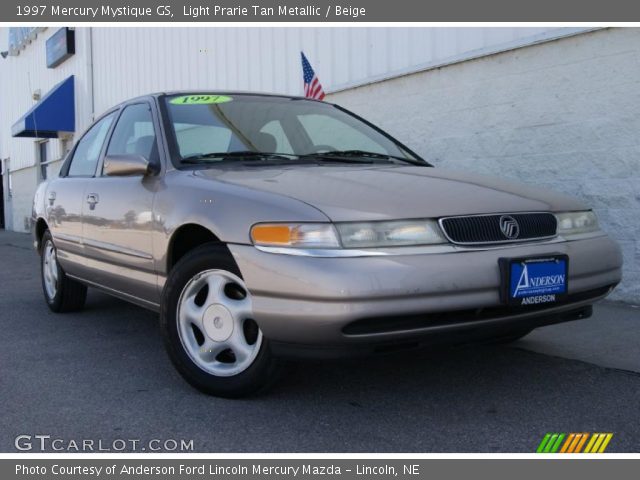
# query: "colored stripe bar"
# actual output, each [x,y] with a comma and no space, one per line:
[574,442]
[551,443]
[543,443]
[581,443]
[590,444]
[556,446]
[606,441]
[565,447]
[573,445]
[599,441]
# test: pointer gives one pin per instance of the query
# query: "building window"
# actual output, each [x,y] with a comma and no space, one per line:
[43,158]
[65,142]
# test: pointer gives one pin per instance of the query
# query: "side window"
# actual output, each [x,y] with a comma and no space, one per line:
[134,133]
[86,155]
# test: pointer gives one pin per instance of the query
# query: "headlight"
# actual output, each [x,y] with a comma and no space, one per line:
[348,235]
[390,234]
[572,223]
[301,235]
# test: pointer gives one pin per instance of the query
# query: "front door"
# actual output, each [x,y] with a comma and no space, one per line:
[118,213]
[65,195]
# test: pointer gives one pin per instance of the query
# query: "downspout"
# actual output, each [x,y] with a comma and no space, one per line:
[90,72]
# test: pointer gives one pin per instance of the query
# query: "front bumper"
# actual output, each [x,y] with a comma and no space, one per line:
[315,301]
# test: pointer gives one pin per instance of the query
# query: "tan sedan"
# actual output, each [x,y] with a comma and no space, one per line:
[263,227]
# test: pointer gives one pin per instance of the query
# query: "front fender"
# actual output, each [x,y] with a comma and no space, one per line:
[227,210]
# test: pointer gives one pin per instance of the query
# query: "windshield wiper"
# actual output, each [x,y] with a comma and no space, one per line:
[321,157]
[218,156]
[339,156]
[353,154]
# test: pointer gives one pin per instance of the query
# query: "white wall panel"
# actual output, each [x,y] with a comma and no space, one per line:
[20,76]
[133,61]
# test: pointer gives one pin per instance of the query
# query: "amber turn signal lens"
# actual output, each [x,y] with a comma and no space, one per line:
[271,234]
[297,235]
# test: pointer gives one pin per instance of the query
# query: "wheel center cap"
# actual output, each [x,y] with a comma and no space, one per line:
[218,323]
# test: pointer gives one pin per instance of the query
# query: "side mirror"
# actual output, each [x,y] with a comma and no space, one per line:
[126,166]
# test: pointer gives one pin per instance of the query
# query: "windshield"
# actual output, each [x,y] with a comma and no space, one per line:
[206,126]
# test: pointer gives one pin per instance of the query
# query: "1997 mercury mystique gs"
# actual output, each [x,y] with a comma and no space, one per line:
[264,226]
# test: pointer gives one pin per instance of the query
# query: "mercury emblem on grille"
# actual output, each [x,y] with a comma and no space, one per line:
[509,227]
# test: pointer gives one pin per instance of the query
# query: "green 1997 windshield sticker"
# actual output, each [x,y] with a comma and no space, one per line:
[200,99]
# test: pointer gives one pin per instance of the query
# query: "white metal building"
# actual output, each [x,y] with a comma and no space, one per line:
[549,106]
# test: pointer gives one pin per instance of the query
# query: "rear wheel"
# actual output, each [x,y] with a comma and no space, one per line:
[62,293]
[208,326]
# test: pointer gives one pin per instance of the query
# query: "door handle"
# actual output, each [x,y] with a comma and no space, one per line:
[92,199]
[51,198]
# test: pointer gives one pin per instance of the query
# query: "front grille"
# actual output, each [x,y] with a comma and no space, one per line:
[499,228]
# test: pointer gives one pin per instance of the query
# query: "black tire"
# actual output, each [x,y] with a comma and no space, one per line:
[70,295]
[511,337]
[265,368]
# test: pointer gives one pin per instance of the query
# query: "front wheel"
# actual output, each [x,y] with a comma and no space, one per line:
[208,326]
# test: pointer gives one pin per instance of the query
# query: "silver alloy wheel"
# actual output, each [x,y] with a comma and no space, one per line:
[211,323]
[50,270]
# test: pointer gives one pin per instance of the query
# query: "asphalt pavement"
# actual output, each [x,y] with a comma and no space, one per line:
[102,375]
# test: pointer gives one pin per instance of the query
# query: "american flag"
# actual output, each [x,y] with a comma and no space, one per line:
[312,87]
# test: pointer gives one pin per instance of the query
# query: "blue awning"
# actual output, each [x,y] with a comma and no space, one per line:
[54,113]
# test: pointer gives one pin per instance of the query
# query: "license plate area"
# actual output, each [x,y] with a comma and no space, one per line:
[534,281]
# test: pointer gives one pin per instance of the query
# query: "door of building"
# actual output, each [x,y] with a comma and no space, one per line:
[1,200]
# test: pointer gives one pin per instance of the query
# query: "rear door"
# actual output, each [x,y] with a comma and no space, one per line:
[65,197]
[118,211]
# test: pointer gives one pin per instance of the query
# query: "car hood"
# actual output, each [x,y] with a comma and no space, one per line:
[373,192]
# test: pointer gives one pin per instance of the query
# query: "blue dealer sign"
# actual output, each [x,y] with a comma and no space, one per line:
[60,46]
